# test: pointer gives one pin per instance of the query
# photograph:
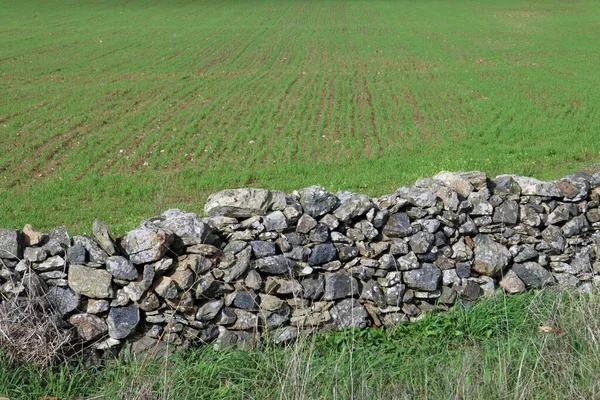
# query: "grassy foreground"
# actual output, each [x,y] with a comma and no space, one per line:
[538,345]
[117,110]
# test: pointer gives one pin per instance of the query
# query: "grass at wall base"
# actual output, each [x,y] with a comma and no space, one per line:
[542,344]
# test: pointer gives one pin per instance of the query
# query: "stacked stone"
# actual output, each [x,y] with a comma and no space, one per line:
[263,262]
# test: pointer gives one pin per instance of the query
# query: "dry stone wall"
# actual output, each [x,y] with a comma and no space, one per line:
[263,262]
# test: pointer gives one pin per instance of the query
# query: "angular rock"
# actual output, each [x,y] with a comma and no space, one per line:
[31,237]
[10,244]
[89,327]
[459,184]
[479,204]
[320,234]
[322,253]
[187,227]
[505,185]
[135,290]
[352,205]
[246,300]
[397,226]
[316,201]
[275,221]
[51,264]
[122,321]
[63,300]
[576,226]
[244,203]
[35,254]
[511,283]
[340,285]
[534,187]
[553,239]
[90,282]
[529,216]
[305,224]
[144,245]
[262,249]
[425,278]
[244,320]
[533,274]
[313,288]
[490,257]
[419,197]
[121,268]
[103,237]
[97,306]
[167,288]
[574,187]
[76,254]
[506,213]
[94,251]
[209,310]
[349,313]
[276,265]
[421,242]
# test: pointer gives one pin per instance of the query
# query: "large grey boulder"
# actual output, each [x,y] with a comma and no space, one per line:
[349,313]
[420,197]
[187,227]
[122,321]
[457,182]
[145,245]
[90,282]
[533,274]
[352,205]
[244,203]
[10,244]
[316,201]
[425,278]
[490,257]
[535,187]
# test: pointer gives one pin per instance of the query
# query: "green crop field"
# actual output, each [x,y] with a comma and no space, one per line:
[121,109]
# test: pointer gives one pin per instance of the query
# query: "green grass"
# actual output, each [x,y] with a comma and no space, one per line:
[360,95]
[495,349]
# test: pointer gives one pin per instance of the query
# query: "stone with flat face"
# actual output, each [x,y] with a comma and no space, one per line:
[10,245]
[122,321]
[244,203]
[425,278]
[490,256]
[89,327]
[187,227]
[90,282]
[316,201]
[533,274]
[145,245]
[349,313]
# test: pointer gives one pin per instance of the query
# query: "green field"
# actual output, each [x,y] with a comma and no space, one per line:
[121,109]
